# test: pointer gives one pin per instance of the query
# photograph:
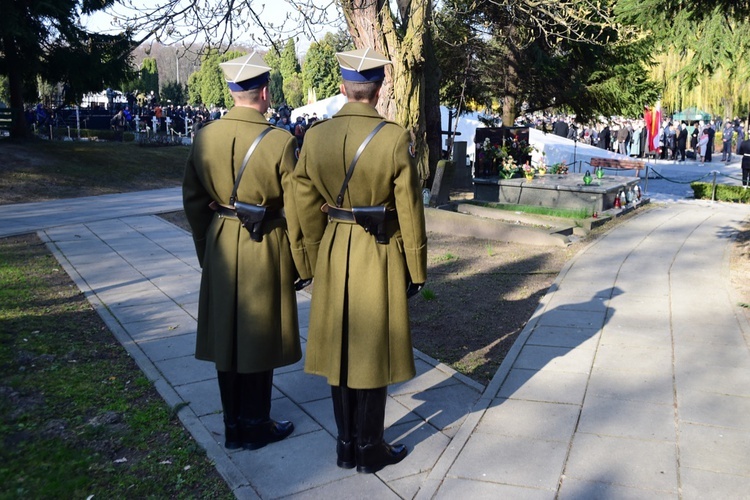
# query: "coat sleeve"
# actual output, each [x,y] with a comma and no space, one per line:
[195,200]
[311,219]
[296,240]
[410,210]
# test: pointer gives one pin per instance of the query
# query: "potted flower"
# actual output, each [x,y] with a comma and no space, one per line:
[542,168]
[528,171]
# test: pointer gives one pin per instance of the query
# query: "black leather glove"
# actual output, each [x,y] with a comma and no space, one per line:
[413,289]
[300,283]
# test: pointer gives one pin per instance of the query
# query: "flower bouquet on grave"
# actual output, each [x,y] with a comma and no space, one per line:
[488,157]
[508,167]
[528,171]
[541,169]
[558,168]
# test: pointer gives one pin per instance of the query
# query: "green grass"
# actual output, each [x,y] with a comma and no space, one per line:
[73,404]
[581,213]
[40,170]
[428,294]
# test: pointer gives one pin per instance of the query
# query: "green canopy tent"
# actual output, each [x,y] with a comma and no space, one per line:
[691,115]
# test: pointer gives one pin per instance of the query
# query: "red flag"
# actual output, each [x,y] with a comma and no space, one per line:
[652,117]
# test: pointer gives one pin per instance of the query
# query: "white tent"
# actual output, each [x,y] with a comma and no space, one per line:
[555,148]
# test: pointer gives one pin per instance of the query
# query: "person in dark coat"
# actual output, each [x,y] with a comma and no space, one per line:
[711,137]
[744,150]
[560,127]
[604,138]
[247,310]
[359,335]
[682,137]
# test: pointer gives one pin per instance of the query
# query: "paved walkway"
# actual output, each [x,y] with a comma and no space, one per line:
[629,381]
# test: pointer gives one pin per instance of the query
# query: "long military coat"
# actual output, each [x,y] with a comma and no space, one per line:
[359,297]
[247,314]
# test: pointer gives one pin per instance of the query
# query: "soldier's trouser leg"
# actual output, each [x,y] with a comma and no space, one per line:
[257,428]
[229,390]
[345,412]
[373,453]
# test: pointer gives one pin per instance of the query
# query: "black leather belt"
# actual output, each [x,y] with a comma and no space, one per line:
[348,215]
[231,214]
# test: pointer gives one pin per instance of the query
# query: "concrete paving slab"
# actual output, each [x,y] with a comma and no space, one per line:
[715,449]
[558,359]
[572,318]
[177,323]
[427,378]
[651,387]
[633,359]
[294,465]
[135,312]
[185,370]
[712,378]
[706,334]
[636,334]
[425,444]
[453,488]
[698,484]
[625,462]
[628,418]
[717,355]
[361,486]
[546,386]
[203,398]
[408,487]
[569,337]
[512,417]
[302,387]
[443,407]
[498,460]
[169,347]
[709,408]
[574,489]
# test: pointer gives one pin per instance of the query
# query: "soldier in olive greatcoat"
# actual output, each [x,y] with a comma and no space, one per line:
[247,314]
[367,247]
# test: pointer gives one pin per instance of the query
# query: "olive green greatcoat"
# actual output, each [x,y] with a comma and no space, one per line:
[247,313]
[359,294]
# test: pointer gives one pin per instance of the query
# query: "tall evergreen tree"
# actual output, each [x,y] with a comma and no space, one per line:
[320,69]
[45,39]
[276,81]
[149,77]
[290,71]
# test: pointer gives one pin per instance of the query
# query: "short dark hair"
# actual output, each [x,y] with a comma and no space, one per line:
[361,91]
[252,95]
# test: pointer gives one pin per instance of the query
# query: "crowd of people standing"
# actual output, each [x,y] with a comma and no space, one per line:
[675,141]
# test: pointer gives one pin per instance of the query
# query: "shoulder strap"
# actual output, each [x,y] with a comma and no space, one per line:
[246,159]
[340,197]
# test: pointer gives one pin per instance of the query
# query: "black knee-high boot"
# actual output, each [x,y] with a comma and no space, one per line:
[345,413]
[257,427]
[373,453]
[230,404]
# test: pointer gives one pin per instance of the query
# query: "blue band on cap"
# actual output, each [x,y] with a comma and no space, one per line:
[252,83]
[368,75]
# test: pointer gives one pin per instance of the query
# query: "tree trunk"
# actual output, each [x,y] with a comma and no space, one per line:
[19,129]
[372,24]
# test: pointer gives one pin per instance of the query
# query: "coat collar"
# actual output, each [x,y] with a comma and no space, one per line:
[357,109]
[245,114]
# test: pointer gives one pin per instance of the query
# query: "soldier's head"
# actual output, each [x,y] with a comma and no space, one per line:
[247,78]
[363,72]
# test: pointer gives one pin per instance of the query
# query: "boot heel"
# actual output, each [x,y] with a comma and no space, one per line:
[373,457]
[345,454]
